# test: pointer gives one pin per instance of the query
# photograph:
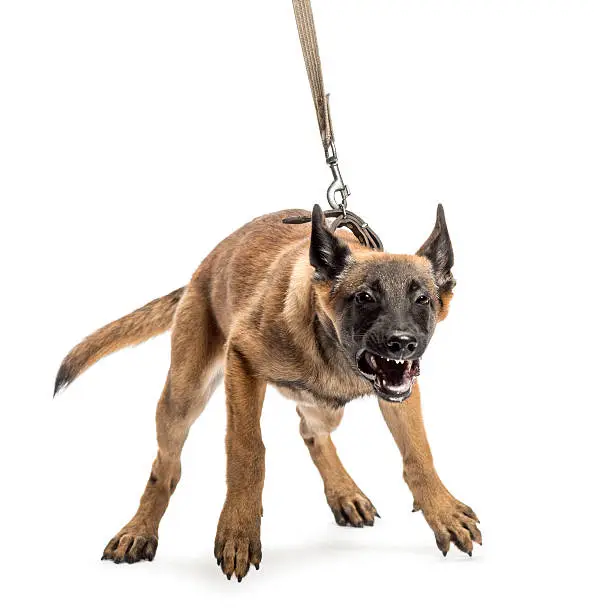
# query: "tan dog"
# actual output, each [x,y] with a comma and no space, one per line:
[324,320]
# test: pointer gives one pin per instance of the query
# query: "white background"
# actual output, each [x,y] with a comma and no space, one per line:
[136,135]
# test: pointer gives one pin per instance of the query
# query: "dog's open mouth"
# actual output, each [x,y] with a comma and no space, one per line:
[392,378]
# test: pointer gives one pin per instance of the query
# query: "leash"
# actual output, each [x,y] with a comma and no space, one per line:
[337,192]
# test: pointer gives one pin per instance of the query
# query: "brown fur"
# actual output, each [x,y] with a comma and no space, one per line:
[253,312]
[152,319]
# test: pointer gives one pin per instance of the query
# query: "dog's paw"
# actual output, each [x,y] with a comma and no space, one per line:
[237,544]
[452,522]
[131,545]
[352,508]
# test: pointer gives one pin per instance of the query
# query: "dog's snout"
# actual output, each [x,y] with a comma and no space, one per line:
[402,345]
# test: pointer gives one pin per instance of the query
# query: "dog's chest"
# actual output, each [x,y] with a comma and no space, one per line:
[295,391]
[328,390]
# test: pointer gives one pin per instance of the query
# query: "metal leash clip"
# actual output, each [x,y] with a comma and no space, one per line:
[337,186]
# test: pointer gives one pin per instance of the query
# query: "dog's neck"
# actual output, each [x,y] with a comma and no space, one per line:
[299,306]
[310,325]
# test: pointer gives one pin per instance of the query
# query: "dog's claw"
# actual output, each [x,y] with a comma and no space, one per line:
[238,546]
[352,508]
[452,524]
[130,546]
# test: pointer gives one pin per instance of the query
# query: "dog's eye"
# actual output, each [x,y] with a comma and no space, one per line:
[423,300]
[364,298]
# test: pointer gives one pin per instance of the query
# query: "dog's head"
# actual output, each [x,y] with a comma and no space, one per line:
[383,307]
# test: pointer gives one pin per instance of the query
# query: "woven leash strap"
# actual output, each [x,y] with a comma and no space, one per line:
[337,189]
[311,56]
[338,192]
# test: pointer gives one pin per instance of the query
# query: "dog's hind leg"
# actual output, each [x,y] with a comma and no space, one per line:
[196,360]
[347,502]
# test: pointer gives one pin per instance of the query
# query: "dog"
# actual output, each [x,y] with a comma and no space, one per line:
[323,319]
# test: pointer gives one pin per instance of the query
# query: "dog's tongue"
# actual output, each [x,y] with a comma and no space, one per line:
[396,386]
[394,378]
[391,377]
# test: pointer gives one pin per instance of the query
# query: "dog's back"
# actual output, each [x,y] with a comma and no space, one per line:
[230,275]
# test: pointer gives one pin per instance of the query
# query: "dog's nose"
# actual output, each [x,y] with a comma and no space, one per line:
[402,345]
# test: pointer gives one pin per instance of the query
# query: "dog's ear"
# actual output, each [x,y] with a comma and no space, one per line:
[327,253]
[438,250]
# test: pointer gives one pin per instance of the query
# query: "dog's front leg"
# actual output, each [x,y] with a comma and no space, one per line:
[348,503]
[237,543]
[451,520]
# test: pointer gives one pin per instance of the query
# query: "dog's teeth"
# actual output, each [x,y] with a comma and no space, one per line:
[373,361]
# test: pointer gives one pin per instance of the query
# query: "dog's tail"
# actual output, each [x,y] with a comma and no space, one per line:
[151,320]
